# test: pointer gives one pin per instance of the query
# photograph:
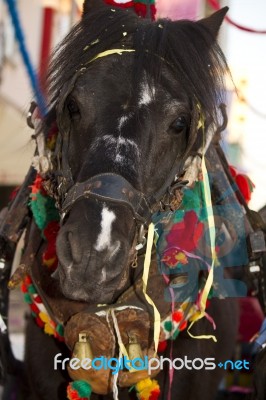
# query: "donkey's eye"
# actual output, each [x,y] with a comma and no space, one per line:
[72,107]
[179,125]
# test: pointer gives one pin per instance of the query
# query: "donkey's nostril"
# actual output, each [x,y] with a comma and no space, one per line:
[74,247]
[68,249]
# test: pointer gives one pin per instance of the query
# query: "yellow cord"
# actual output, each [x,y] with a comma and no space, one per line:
[146,269]
[211,224]
[110,52]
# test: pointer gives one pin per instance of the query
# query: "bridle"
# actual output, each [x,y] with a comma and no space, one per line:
[111,187]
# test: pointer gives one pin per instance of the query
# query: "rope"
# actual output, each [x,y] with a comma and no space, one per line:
[11,4]
[216,6]
[122,347]
[115,379]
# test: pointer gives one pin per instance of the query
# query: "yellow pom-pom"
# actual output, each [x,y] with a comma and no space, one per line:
[147,389]
[49,329]
[44,317]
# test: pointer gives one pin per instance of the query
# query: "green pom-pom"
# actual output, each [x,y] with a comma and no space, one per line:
[60,330]
[43,209]
[168,326]
[175,334]
[32,289]
[38,208]
[144,2]
[27,298]
[82,387]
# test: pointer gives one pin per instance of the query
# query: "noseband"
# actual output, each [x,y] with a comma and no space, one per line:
[113,188]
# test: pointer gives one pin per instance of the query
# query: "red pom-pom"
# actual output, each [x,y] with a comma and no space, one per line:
[155,394]
[142,11]
[37,185]
[245,185]
[38,299]
[162,346]
[27,280]
[233,171]
[243,182]
[182,326]
[51,230]
[50,233]
[177,316]
[72,394]
[34,308]
[128,4]
[39,322]
[24,288]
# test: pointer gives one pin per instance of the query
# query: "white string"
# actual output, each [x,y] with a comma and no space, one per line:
[122,347]
[115,388]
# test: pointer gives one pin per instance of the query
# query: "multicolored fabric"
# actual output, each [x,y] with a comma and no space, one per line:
[183,243]
[143,8]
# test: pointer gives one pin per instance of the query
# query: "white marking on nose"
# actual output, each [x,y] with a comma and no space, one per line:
[104,239]
[121,154]
[122,121]
[146,94]
[121,150]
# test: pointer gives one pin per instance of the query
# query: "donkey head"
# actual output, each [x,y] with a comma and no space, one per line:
[126,93]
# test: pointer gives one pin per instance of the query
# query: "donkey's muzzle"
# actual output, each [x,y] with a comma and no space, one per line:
[110,188]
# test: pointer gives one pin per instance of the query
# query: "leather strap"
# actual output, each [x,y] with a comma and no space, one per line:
[112,188]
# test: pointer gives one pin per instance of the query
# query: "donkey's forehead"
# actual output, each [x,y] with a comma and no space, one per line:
[147,93]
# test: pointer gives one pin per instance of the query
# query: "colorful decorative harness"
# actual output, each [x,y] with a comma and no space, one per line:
[188,218]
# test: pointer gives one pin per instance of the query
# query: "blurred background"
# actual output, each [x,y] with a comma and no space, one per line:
[46,22]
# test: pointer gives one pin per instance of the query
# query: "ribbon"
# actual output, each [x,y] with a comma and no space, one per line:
[204,295]
[110,52]
[201,304]
[171,370]
[145,276]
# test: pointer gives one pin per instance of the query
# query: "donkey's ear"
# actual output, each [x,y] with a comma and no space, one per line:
[214,22]
[91,5]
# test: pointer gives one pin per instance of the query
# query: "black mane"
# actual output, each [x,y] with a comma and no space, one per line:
[187,48]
